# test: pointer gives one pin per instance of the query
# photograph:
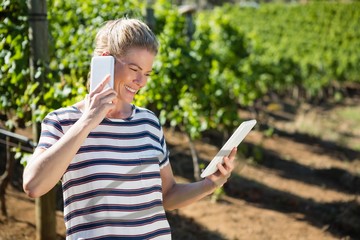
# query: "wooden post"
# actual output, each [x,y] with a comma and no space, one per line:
[150,19]
[5,179]
[45,208]
[188,11]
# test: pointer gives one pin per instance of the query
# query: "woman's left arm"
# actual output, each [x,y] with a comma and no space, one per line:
[177,195]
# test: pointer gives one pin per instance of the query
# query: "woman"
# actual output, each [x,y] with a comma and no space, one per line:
[111,155]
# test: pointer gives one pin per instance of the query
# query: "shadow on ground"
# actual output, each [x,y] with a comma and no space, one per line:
[328,178]
[187,228]
[329,148]
[341,219]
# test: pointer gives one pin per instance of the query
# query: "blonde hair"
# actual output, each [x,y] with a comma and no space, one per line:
[116,37]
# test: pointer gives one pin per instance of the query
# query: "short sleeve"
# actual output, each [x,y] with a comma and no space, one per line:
[51,131]
[165,160]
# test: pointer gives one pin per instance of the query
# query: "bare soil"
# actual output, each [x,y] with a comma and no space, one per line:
[288,184]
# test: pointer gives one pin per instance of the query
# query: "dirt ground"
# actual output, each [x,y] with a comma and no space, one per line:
[295,179]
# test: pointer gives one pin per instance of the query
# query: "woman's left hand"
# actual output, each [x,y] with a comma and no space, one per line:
[220,177]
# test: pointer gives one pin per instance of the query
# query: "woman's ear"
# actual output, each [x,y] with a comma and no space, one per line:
[105,54]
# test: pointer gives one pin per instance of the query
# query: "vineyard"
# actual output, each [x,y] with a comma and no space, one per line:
[234,57]
[293,67]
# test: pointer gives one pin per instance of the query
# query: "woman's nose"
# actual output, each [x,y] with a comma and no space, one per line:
[140,80]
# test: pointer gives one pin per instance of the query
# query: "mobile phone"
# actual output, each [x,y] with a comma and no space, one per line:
[100,67]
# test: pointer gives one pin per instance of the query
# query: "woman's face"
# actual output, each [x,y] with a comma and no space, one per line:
[132,72]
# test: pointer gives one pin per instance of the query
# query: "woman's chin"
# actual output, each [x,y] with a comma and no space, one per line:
[128,100]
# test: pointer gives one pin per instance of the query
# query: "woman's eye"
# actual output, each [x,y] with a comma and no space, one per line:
[135,70]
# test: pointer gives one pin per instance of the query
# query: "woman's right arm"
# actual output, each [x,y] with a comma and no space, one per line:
[47,166]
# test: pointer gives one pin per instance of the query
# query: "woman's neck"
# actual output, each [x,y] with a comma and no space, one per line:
[121,111]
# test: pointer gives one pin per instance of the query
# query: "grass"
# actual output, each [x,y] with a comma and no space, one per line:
[340,125]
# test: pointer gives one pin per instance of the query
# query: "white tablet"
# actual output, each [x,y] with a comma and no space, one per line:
[235,139]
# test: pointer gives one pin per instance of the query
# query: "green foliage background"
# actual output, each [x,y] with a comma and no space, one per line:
[235,57]
[310,47]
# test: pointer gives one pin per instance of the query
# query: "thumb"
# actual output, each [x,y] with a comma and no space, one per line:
[87,100]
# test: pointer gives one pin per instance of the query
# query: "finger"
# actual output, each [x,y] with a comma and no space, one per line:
[109,105]
[107,91]
[222,169]
[229,164]
[230,159]
[103,94]
[233,153]
[108,98]
[102,84]
[87,100]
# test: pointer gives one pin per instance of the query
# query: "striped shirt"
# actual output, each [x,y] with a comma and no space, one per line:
[112,187]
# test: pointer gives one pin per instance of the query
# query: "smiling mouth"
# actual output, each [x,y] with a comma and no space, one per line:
[130,89]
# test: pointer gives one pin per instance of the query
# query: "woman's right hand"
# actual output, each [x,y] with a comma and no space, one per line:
[98,103]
